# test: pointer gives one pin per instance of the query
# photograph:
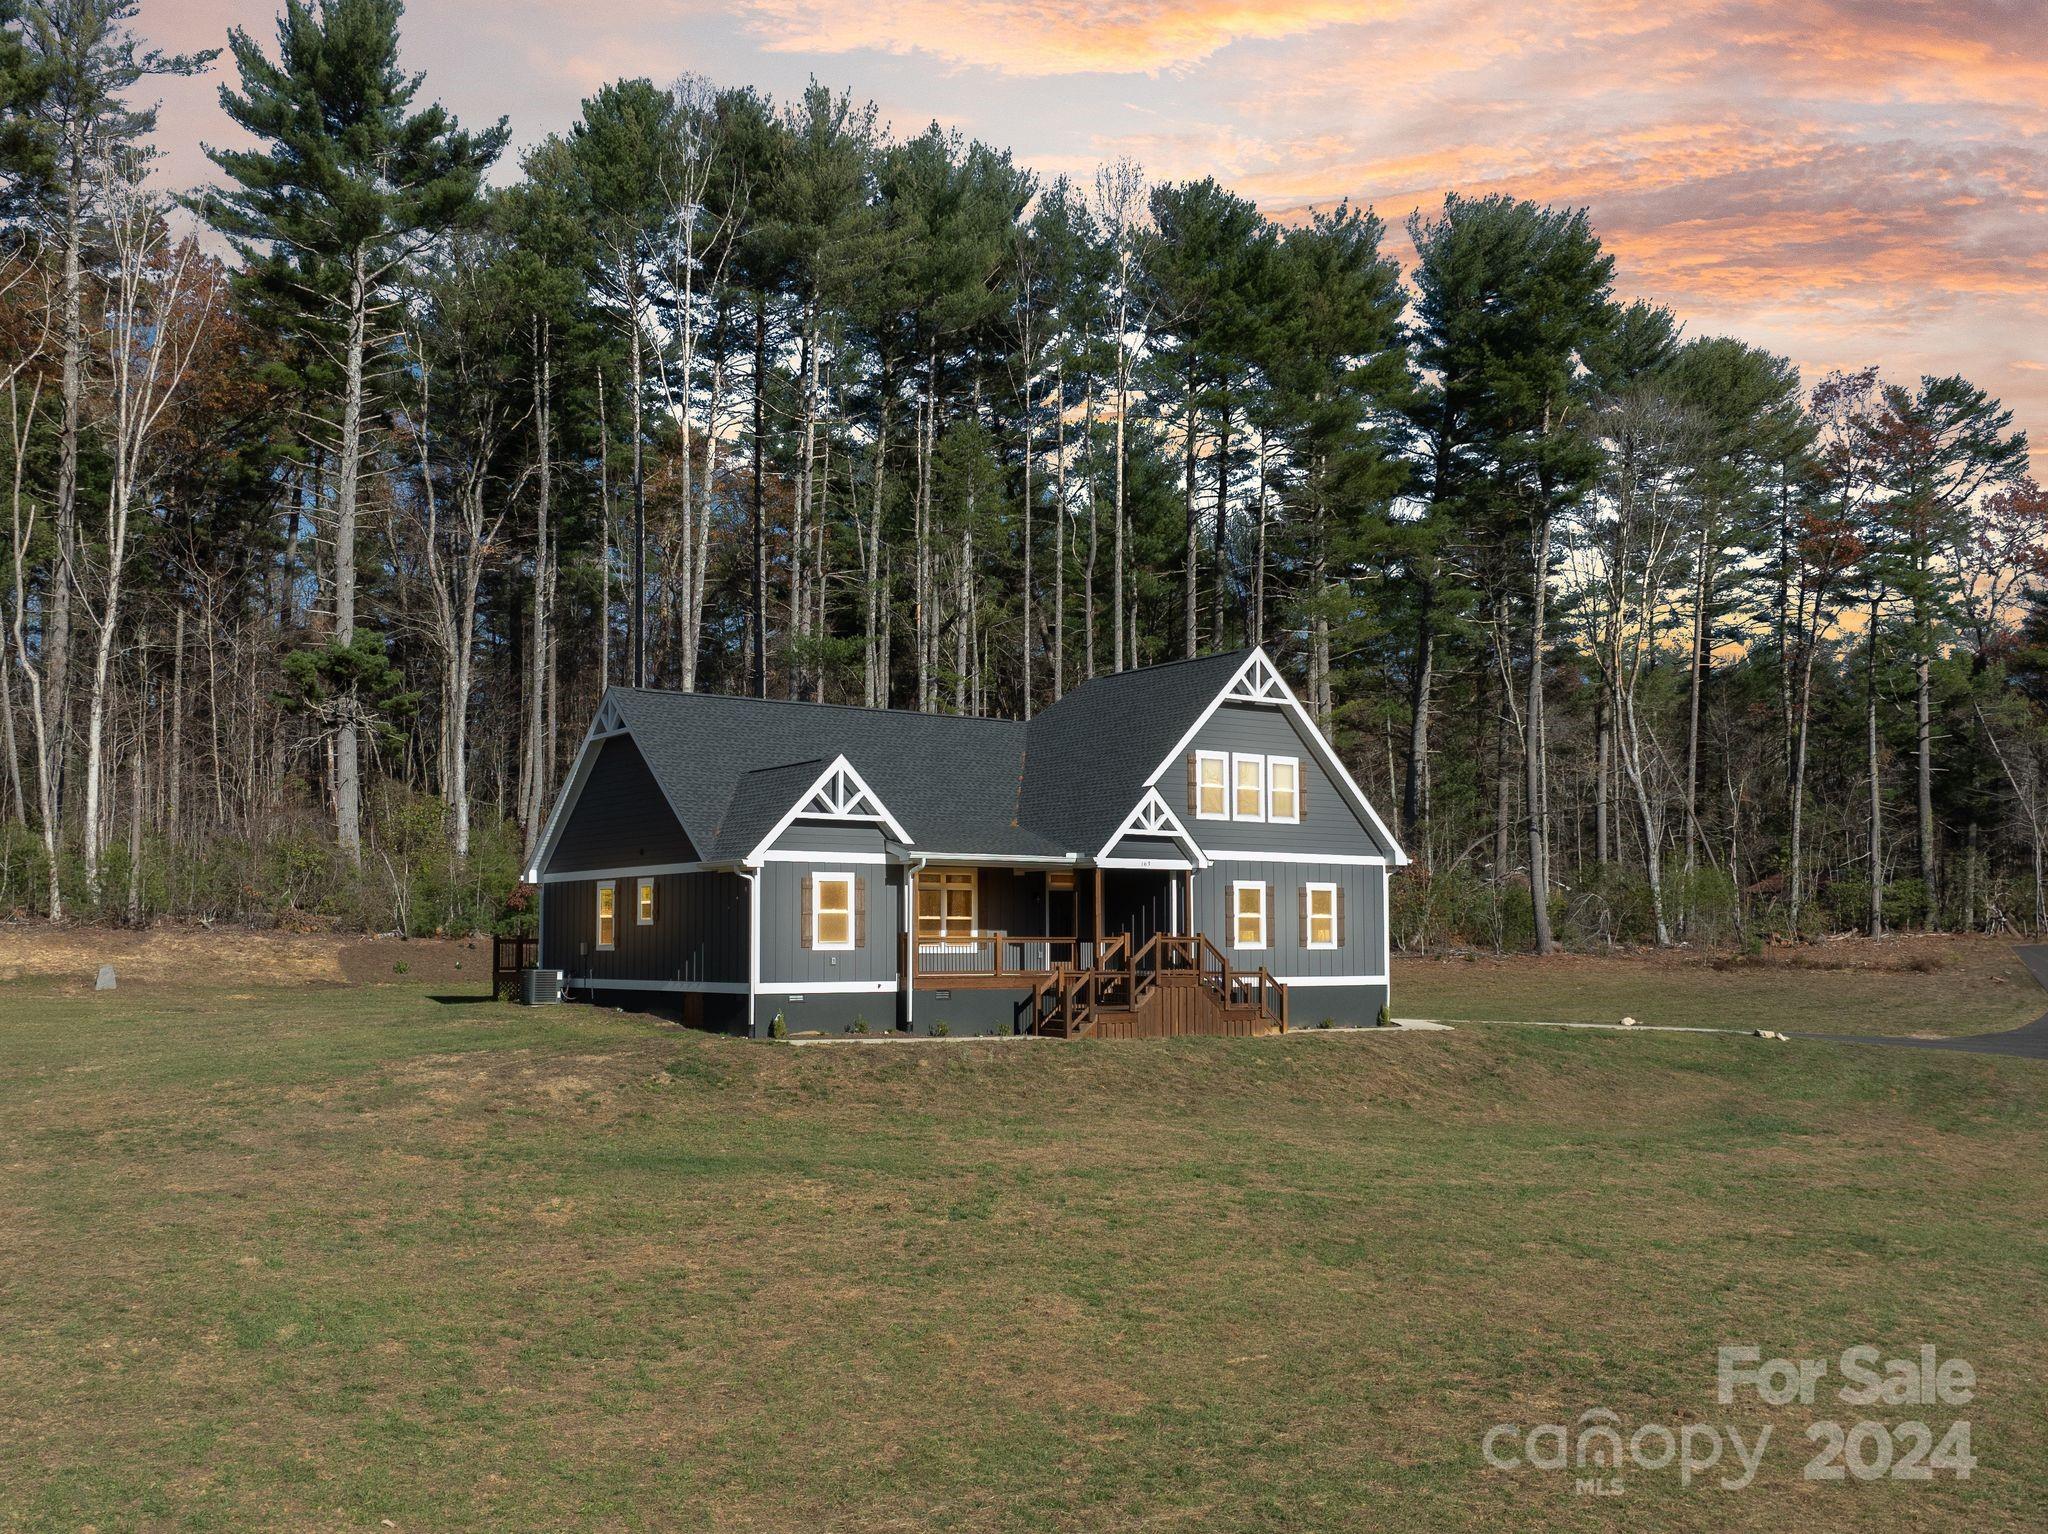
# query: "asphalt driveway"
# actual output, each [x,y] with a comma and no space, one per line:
[2029,1042]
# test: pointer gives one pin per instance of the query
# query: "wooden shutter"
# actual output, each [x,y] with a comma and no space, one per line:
[1194,785]
[860,911]
[1301,906]
[804,914]
[1268,933]
[1340,916]
[1301,789]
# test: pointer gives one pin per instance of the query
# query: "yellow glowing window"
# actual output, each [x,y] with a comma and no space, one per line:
[1283,788]
[1248,774]
[945,904]
[644,903]
[1322,915]
[832,911]
[1248,915]
[607,913]
[1211,770]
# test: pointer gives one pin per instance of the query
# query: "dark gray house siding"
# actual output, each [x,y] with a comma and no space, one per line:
[1161,848]
[699,931]
[827,837]
[1363,949]
[1329,824]
[621,819]
[785,961]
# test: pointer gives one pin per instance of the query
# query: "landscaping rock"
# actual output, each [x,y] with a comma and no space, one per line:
[106,979]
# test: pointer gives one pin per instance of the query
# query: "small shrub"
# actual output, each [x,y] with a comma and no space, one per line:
[401,968]
[778,1027]
[941,1029]
[858,1025]
[1386,1017]
[1328,1022]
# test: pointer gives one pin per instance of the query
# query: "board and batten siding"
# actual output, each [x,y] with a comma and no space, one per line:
[1328,824]
[826,838]
[786,961]
[699,932]
[621,819]
[1361,949]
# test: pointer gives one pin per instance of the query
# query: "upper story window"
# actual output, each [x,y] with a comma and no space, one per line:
[946,900]
[607,912]
[1283,788]
[1247,788]
[643,903]
[832,910]
[1209,785]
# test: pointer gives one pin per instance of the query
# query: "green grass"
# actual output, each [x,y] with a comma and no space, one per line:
[1928,986]
[319,1258]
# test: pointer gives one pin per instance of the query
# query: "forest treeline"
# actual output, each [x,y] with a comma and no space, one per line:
[341,486]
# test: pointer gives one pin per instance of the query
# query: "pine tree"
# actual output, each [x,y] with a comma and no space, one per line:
[351,184]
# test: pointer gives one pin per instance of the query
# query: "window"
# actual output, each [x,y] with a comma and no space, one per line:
[832,910]
[1210,785]
[1248,788]
[945,904]
[1248,915]
[1283,788]
[607,912]
[643,903]
[1319,915]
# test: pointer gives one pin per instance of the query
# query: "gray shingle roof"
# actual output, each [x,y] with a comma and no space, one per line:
[1061,784]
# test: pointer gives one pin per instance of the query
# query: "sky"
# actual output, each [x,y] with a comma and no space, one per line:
[1846,182]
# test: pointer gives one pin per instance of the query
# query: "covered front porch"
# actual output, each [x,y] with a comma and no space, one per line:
[1003,926]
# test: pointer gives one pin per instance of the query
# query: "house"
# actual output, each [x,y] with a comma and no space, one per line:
[1175,849]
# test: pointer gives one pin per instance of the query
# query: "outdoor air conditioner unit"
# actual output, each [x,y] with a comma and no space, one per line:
[540,987]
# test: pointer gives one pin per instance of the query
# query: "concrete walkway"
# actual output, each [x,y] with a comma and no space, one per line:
[2028,1043]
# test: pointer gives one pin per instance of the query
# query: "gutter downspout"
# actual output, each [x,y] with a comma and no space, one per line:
[912,867]
[753,878]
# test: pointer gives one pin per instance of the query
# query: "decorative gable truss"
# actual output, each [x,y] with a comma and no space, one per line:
[1153,816]
[840,793]
[1258,681]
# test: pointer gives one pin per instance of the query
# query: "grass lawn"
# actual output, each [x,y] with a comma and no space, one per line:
[334,1257]
[1933,987]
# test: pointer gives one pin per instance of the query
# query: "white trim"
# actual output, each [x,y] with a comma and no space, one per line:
[1308,895]
[1265,941]
[753,878]
[1238,759]
[839,790]
[643,911]
[1271,817]
[575,875]
[1179,865]
[709,987]
[1002,859]
[830,988]
[1260,690]
[786,855]
[846,877]
[1222,758]
[1312,980]
[597,913]
[1152,816]
[1345,859]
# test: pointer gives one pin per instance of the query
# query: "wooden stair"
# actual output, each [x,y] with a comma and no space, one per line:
[1173,985]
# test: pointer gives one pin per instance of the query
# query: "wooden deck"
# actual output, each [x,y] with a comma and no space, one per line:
[1171,985]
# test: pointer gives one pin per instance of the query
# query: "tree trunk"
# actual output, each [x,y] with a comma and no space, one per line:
[1876,836]
[1194,540]
[760,527]
[1539,829]
[347,746]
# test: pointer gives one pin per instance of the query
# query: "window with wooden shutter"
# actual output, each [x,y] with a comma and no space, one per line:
[832,923]
[1208,785]
[1249,902]
[1283,788]
[1320,927]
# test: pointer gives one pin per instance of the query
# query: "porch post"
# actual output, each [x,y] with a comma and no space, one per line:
[1098,913]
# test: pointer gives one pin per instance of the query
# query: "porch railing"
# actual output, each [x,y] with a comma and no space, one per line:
[998,953]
